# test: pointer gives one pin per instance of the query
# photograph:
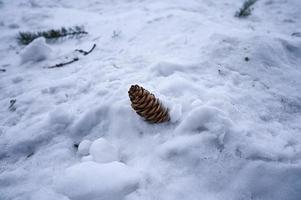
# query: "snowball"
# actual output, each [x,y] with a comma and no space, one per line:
[36,51]
[83,147]
[91,180]
[102,151]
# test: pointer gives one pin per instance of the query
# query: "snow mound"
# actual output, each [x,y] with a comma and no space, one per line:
[205,118]
[91,180]
[36,51]
[102,151]
[83,147]
[189,148]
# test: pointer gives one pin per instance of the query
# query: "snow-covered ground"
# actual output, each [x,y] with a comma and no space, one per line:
[235,129]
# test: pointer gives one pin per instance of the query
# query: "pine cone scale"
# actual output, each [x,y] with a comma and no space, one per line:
[144,104]
[154,110]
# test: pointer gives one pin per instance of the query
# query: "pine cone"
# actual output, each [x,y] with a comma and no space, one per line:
[147,105]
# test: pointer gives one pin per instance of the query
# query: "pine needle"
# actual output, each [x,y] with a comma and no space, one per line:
[246,9]
[26,37]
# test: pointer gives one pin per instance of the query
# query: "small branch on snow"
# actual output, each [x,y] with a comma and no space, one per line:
[2,70]
[246,9]
[29,155]
[86,52]
[74,59]
[116,34]
[63,64]
[12,105]
[296,34]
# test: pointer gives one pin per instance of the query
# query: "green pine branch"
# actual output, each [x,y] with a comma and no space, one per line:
[26,37]
[246,9]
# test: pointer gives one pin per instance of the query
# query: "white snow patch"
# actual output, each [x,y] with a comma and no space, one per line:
[102,151]
[60,118]
[88,120]
[258,177]
[169,68]
[175,111]
[206,118]
[189,146]
[87,158]
[83,147]
[90,180]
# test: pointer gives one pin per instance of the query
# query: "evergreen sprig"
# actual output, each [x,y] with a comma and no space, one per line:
[52,34]
[246,9]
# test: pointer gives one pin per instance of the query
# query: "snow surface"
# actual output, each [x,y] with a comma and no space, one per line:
[235,129]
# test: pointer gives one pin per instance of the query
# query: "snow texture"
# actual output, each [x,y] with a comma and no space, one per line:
[232,87]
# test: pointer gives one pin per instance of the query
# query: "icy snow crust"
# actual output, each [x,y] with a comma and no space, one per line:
[235,130]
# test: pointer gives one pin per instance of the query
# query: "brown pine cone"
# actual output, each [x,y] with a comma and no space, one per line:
[147,105]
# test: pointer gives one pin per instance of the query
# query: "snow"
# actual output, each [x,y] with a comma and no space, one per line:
[256,178]
[205,119]
[235,122]
[98,181]
[83,147]
[102,151]
[87,158]
[36,51]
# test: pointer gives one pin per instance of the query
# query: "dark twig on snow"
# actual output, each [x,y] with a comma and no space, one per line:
[29,155]
[2,70]
[246,9]
[296,34]
[74,59]
[27,37]
[64,63]
[12,105]
[86,52]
